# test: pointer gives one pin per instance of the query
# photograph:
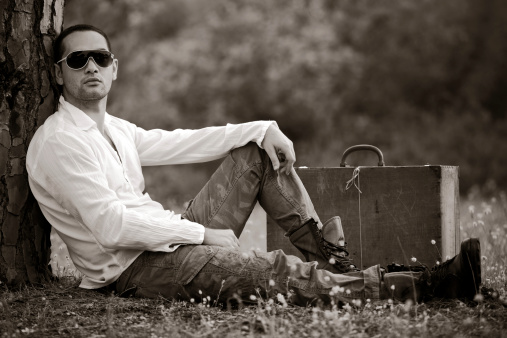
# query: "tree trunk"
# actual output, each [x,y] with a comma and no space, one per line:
[27,97]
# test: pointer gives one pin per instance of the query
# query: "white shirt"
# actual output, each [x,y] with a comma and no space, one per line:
[93,196]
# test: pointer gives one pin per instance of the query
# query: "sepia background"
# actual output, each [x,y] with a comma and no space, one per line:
[425,81]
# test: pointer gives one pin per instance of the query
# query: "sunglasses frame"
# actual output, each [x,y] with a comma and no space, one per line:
[111,55]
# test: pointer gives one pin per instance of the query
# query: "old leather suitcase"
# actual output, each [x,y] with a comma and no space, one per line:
[389,214]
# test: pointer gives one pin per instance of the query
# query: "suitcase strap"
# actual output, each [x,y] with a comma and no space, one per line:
[354,181]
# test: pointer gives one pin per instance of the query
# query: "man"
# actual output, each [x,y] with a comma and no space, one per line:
[84,169]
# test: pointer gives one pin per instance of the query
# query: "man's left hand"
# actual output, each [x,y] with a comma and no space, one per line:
[279,149]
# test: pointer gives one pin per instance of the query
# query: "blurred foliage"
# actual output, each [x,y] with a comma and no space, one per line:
[426,80]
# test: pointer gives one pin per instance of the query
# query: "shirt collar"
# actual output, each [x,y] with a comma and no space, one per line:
[81,120]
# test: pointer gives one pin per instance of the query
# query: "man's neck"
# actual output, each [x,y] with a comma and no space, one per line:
[95,109]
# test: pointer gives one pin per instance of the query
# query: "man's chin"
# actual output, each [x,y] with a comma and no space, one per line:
[93,95]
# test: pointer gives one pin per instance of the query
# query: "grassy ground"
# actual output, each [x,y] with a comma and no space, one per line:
[60,308]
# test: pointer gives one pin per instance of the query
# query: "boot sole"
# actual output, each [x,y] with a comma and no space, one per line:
[472,260]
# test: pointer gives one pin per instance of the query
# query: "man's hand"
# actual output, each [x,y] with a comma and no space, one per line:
[221,237]
[279,149]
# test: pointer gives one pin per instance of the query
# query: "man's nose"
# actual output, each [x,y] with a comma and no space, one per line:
[91,66]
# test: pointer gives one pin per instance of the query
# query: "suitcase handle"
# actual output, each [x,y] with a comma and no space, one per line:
[363,147]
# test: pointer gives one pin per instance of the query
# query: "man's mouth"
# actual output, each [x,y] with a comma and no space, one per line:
[92,80]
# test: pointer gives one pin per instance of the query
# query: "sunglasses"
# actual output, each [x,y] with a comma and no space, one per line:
[79,59]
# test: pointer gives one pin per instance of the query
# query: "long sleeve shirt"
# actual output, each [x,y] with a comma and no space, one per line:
[92,194]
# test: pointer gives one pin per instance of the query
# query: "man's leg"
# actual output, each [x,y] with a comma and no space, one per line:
[201,271]
[230,276]
[247,176]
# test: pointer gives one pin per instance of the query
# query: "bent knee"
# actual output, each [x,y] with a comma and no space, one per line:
[249,153]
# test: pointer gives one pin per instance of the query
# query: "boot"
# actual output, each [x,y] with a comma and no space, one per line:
[460,276]
[326,246]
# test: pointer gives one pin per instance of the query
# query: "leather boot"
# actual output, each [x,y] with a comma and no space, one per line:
[326,246]
[460,276]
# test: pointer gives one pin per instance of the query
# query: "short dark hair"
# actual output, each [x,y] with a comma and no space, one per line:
[58,44]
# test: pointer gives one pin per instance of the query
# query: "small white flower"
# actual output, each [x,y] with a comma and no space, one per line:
[438,262]
[332,261]
[271,282]
[408,305]
[393,287]
[478,298]
[281,299]
[200,292]
[252,297]
[192,300]
[413,259]
[357,302]
[347,292]
[433,242]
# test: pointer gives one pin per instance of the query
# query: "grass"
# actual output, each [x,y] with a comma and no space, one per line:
[60,308]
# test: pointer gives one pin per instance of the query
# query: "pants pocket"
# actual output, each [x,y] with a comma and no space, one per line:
[193,262]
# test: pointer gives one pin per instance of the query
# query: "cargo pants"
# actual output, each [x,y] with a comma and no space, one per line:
[220,275]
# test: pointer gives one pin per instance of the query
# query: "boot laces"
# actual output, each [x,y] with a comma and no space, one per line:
[339,254]
[331,250]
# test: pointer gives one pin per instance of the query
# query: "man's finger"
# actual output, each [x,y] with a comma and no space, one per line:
[290,159]
[273,156]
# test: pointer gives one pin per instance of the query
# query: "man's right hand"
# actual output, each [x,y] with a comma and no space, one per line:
[221,237]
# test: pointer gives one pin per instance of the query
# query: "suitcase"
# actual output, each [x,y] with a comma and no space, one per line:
[389,213]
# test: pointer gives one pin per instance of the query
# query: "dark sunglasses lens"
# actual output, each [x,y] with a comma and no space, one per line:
[77,60]
[103,59]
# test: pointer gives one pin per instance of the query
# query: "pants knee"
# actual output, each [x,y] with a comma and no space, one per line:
[249,153]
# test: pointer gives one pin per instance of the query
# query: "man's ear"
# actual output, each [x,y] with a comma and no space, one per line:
[115,69]
[59,74]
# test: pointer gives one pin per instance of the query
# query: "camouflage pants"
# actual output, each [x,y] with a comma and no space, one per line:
[226,201]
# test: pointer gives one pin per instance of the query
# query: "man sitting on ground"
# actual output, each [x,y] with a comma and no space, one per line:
[84,169]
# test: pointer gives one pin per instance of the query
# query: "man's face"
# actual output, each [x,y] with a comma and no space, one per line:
[92,82]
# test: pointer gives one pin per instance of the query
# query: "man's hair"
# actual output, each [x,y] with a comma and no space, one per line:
[58,44]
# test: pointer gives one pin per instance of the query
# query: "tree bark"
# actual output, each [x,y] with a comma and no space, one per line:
[27,97]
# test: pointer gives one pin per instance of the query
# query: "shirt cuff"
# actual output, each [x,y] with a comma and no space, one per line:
[265,126]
